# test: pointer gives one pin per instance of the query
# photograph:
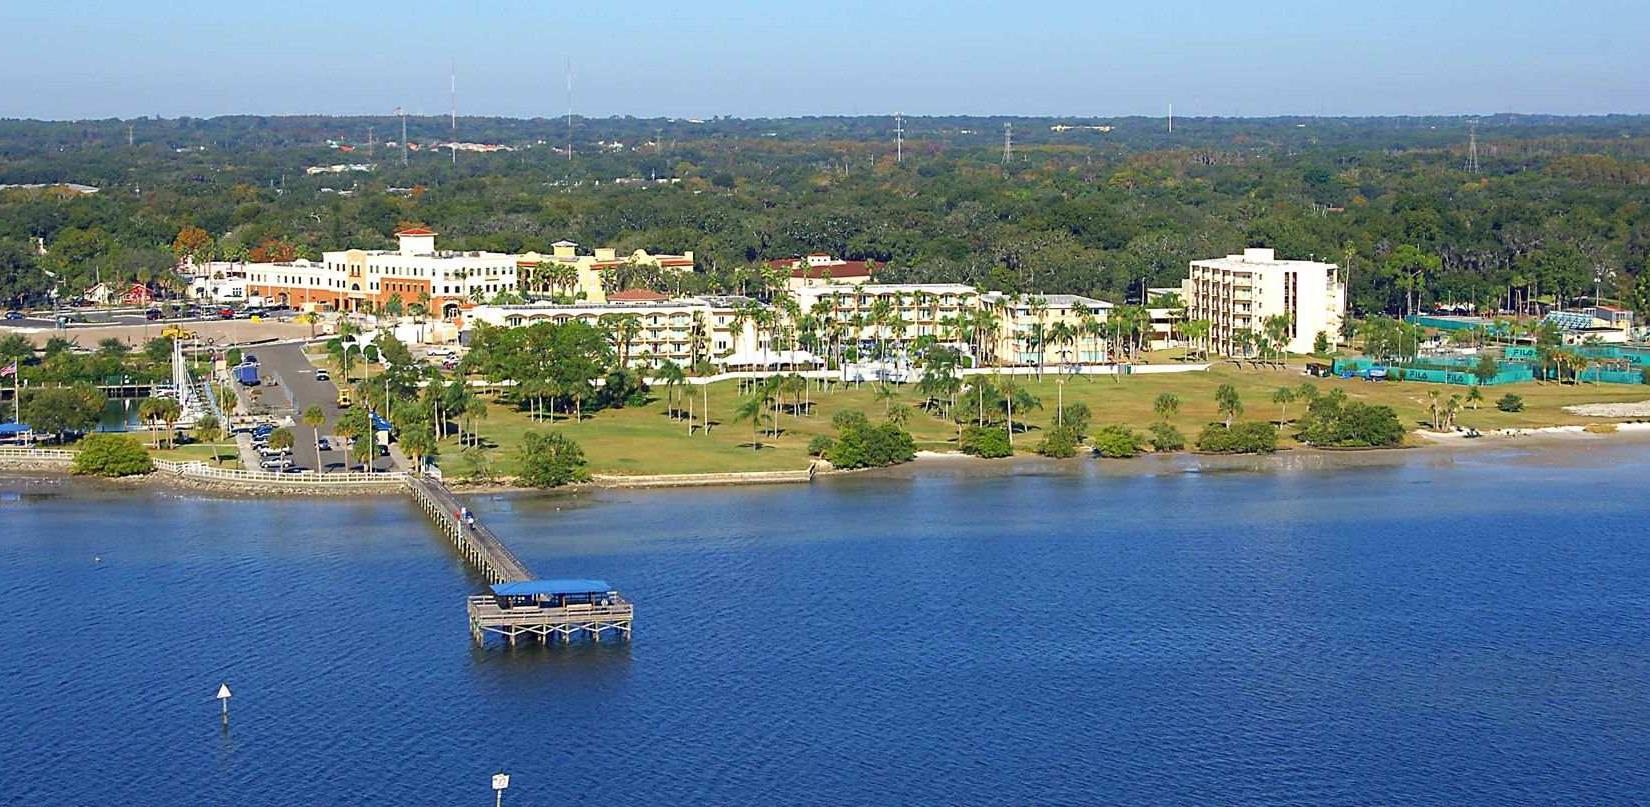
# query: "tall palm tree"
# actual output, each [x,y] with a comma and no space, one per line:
[1039,309]
[671,373]
[755,409]
[314,417]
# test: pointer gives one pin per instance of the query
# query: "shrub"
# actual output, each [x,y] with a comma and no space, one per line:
[1116,442]
[820,445]
[550,460]
[1167,438]
[989,442]
[1332,421]
[1247,437]
[847,419]
[1059,442]
[111,455]
[867,446]
[1510,403]
[1075,416]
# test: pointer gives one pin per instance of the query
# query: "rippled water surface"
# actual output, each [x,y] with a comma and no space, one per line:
[1429,631]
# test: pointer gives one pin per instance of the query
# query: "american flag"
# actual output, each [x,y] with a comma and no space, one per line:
[10,369]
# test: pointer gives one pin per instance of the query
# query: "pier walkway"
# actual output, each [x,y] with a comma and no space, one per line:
[476,542]
[519,604]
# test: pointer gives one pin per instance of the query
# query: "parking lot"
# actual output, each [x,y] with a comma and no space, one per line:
[295,377]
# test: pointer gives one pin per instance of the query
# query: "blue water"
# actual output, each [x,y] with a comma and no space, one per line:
[1439,632]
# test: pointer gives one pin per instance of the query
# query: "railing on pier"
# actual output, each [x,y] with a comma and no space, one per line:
[478,543]
[568,621]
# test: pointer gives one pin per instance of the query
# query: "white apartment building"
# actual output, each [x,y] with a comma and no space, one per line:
[914,309]
[1238,293]
[679,330]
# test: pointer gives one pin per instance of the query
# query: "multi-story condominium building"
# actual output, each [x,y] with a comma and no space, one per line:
[1046,329]
[1239,294]
[683,330]
[591,278]
[892,311]
[446,282]
[820,269]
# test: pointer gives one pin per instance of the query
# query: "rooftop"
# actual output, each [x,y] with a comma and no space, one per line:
[532,588]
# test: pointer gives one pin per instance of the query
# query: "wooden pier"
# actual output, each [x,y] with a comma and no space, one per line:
[520,604]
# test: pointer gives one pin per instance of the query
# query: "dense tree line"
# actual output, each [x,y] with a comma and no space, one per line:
[1555,209]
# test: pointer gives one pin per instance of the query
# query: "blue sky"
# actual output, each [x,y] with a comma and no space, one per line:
[74,59]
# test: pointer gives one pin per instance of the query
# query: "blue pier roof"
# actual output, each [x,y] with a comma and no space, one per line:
[531,588]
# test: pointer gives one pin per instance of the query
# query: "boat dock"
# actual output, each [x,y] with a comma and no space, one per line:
[518,603]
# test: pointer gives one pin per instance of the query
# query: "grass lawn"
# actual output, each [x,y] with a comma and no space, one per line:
[644,440]
[192,452]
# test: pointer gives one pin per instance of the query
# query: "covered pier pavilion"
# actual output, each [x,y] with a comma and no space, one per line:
[567,608]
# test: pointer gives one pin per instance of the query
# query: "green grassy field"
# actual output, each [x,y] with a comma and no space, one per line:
[645,440]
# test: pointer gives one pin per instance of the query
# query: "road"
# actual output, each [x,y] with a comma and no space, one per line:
[288,363]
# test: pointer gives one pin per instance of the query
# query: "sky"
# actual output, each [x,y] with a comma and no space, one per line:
[73,59]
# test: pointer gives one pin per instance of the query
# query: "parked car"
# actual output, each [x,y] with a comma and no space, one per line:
[323,444]
[152,314]
[226,313]
[14,315]
[322,375]
[275,464]
[383,450]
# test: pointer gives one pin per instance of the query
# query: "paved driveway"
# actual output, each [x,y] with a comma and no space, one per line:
[298,376]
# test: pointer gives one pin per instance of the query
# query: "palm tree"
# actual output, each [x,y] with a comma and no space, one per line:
[208,430]
[1039,309]
[755,409]
[1228,403]
[885,393]
[149,412]
[314,417]
[1283,397]
[1474,397]
[1166,405]
[671,373]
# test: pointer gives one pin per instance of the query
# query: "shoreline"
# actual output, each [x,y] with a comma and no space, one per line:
[1543,443]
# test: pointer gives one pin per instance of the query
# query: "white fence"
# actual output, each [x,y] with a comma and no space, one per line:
[200,470]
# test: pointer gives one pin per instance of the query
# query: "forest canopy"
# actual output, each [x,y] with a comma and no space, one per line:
[1555,207]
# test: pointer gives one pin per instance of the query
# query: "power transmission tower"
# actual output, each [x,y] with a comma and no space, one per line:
[569,109]
[1472,147]
[1008,143]
[128,134]
[369,141]
[899,137]
[1171,117]
[403,114]
[452,95]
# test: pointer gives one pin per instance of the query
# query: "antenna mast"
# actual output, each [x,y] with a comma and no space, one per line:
[1472,146]
[1171,117]
[452,95]
[1008,142]
[403,114]
[899,137]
